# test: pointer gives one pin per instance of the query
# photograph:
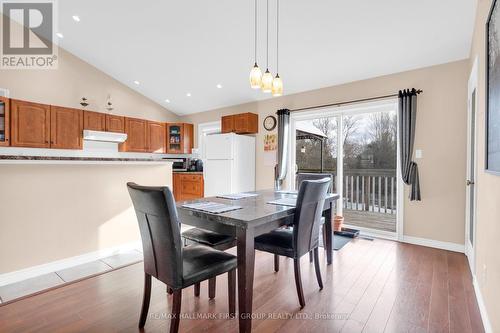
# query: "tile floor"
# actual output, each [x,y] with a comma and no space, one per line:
[34,285]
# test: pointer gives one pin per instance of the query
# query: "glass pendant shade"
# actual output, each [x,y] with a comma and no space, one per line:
[255,77]
[277,89]
[267,82]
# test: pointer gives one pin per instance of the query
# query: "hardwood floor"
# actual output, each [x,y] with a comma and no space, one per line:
[372,286]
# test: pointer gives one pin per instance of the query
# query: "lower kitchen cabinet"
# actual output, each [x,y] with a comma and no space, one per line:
[188,186]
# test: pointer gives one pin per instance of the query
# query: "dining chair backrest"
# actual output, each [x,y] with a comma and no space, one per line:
[301,176]
[160,233]
[308,212]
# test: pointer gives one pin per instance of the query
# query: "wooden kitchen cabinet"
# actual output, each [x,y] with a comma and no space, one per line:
[243,123]
[94,121]
[4,121]
[115,123]
[29,124]
[179,138]
[227,124]
[188,186]
[137,140]
[156,133]
[66,128]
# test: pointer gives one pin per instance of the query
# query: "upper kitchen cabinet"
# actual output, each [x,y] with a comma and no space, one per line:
[66,127]
[94,121]
[30,124]
[156,134]
[137,138]
[243,123]
[115,123]
[4,121]
[179,138]
[227,124]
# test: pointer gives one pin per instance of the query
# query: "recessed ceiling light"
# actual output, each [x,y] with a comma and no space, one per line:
[137,82]
[60,35]
[167,101]
[219,85]
[188,94]
[76,18]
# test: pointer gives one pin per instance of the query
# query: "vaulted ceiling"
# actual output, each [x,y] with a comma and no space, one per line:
[173,48]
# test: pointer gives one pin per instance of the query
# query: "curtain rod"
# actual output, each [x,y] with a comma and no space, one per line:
[419,91]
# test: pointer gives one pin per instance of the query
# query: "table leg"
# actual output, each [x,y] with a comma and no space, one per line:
[246,263]
[329,233]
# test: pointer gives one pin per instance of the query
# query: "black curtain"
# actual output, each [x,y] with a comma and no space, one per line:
[407,118]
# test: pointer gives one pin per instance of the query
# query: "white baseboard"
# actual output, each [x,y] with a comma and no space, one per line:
[30,272]
[435,244]
[482,307]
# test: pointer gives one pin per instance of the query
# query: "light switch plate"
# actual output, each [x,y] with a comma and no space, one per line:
[418,153]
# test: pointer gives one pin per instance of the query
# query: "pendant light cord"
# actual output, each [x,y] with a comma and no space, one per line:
[267,37]
[277,34]
[255,33]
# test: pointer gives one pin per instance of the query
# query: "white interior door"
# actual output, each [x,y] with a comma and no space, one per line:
[470,214]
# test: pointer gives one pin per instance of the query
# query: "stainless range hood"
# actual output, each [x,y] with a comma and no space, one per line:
[104,136]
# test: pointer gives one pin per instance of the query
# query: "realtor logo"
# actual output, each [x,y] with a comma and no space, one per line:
[27,35]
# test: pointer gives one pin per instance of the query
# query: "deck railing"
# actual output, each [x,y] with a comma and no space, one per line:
[373,190]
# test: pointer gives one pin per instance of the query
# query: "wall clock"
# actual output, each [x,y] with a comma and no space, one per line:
[270,123]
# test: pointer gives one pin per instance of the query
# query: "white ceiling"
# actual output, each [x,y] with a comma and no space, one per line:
[176,47]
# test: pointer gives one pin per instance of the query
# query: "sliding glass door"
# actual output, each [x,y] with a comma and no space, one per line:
[358,146]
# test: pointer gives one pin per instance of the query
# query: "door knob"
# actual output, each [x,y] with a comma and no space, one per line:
[469,182]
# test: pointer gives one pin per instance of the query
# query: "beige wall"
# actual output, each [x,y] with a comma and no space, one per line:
[487,268]
[440,133]
[52,212]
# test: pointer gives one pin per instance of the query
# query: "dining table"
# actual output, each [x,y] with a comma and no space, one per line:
[255,216]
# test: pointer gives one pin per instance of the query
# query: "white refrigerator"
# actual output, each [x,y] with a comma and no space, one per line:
[229,164]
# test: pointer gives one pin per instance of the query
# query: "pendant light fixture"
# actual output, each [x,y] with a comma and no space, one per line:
[255,73]
[267,78]
[277,86]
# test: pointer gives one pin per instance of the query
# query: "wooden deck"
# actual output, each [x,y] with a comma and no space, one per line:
[371,220]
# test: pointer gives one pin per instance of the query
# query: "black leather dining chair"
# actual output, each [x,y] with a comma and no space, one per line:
[304,236]
[299,178]
[165,257]
[209,238]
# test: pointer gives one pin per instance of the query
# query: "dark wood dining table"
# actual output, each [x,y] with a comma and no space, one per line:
[256,217]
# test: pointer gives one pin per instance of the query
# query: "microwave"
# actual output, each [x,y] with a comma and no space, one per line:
[178,164]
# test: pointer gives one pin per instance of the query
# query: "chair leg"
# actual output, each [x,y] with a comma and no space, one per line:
[211,287]
[316,268]
[298,282]
[197,289]
[310,256]
[231,290]
[324,236]
[176,311]
[276,263]
[145,300]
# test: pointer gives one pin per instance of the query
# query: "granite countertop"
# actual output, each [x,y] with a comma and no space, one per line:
[190,172]
[66,158]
